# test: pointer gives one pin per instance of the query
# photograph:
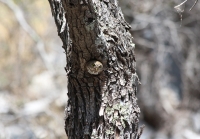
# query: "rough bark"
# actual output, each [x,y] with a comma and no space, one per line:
[101,70]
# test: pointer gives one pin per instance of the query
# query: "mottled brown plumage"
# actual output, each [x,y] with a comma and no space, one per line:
[94,67]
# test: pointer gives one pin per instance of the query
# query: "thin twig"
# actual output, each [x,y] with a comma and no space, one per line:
[178,7]
[193,5]
[179,10]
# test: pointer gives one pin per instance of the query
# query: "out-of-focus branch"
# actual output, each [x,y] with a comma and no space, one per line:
[179,10]
[22,21]
[194,4]
[178,7]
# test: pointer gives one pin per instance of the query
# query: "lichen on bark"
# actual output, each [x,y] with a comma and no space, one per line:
[101,105]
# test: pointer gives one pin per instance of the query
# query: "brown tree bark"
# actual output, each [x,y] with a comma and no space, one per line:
[101,70]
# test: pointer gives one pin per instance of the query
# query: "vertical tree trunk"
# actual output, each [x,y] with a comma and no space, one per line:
[100,68]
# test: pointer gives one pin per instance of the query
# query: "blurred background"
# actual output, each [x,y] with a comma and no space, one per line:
[33,82]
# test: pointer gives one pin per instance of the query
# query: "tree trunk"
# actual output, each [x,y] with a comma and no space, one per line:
[101,70]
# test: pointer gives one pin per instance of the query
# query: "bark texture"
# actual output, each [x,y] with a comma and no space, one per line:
[101,70]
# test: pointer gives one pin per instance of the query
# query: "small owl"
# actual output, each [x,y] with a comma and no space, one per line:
[94,67]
